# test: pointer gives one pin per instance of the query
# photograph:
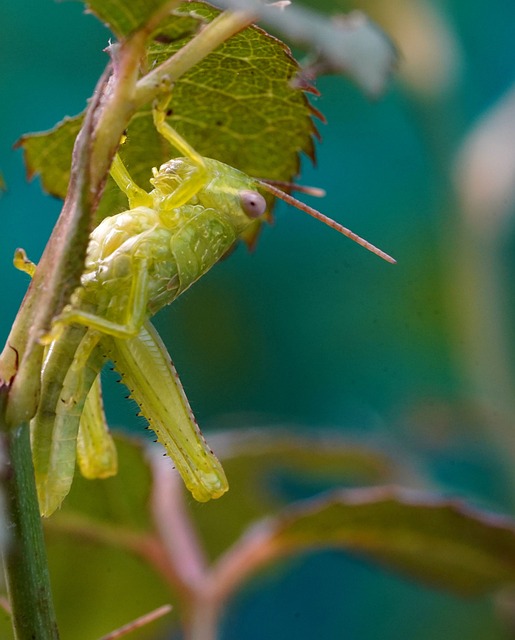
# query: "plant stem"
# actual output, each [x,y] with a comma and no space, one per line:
[160,80]
[24,557]
[202,621]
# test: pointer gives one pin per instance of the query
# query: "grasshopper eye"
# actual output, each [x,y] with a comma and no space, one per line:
[253,203]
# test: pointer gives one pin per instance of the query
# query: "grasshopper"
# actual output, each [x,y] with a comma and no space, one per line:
[137,262]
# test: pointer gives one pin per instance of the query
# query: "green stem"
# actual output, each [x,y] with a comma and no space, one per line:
[161,79]
[24,557]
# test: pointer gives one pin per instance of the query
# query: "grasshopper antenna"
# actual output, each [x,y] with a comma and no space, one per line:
[271,188]
[301,188]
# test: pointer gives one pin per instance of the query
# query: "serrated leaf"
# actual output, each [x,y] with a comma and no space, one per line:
[257,460]
[237,105]
[49,155]
[439,542]
[351,44]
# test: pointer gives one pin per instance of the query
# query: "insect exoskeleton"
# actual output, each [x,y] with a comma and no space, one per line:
[138,261]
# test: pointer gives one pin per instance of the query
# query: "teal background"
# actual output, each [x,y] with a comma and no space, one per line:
[311,331]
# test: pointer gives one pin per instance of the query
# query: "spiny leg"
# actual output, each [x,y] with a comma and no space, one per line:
[147,370]
[187,188]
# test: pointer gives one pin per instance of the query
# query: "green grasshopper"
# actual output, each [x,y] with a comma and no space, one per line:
[137,262]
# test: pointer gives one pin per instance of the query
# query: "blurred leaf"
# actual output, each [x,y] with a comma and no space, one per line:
[111,527]
[255,461]
[120,503]
[98,588]
[6,629]
[131,513]
[485,169]
[439,542]
[432,55]
[107,528]
[237,105]
[351,44]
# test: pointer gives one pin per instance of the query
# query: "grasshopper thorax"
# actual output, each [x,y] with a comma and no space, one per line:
[225,190]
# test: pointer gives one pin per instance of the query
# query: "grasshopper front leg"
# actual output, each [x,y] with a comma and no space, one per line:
[196,180]
[135,195]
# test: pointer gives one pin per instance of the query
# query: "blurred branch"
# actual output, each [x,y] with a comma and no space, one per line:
[138,623]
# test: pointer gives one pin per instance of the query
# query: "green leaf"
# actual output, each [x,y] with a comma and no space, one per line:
[124,17]
[49,154]
[237,105]
[109,587]
[6,627]
[120,502]
[107,527]
[439,542]
[350,44]
[258,461]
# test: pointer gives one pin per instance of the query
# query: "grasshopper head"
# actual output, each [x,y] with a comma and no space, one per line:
[219,186]
[233,194]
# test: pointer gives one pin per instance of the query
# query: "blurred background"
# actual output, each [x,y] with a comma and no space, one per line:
[314,333]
